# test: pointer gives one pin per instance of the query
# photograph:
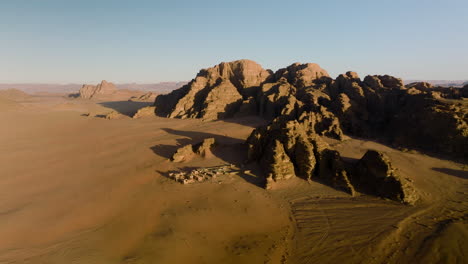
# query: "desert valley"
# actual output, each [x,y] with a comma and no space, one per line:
[240,165]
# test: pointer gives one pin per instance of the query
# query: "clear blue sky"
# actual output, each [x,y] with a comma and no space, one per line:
[62,41]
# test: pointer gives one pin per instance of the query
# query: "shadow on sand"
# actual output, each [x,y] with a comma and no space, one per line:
[128,108]
[457,173]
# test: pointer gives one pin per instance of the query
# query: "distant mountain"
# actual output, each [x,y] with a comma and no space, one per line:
[443,83]
[162,87]
[31,88]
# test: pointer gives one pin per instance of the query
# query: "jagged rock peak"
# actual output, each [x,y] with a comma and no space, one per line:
[88,91]
[217,92]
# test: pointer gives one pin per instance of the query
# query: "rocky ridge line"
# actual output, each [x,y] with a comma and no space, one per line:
[380,107]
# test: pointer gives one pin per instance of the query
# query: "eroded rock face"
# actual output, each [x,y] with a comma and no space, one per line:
[204,148]
[184,153]
[104,88]
[431,124]
[215,93]
[332,171]
[301,75]
[286,148]
[378,107]
[276,163]
[375,174]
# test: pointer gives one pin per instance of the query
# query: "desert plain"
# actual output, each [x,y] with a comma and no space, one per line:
[78,186]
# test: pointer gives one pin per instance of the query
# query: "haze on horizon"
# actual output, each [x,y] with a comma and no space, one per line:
[54,41]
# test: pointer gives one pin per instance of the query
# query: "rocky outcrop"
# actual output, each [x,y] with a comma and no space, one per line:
[285,149]
[332,171]
[114,115]
[184,153]
[378,107]
[375,174]
[110,115]
[90,91]
[204,148]
[145,112]
[276,163]
[188,152]
[215,93]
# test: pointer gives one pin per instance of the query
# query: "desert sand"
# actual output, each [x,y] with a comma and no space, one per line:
[76,188]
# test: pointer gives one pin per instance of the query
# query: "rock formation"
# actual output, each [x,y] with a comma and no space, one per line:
[145,112]
[184,153]
[377,107]
[285,149]
[375,174]
[112,115]
[215,93]
[187,152]
[104,88]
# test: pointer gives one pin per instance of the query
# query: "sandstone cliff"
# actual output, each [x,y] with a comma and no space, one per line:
[284,150]
[215,93]
[380,107]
